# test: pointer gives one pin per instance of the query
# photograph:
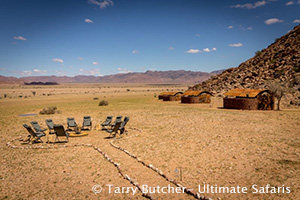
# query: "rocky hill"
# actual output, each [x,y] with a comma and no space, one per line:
[279,61]
[179,76]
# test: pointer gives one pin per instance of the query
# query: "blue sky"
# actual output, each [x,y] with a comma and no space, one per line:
[101,37]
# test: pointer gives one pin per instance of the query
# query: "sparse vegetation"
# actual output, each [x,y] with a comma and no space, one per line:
[49,110]
[297,68]
[33,93]
[172,136]
[278,89]
[103,103]
[257,53]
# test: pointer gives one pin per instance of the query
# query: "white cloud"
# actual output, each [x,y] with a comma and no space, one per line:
[123,71]
[203,50]
[206,50]
[19,38]
[193,51]
[31,72]
[273,21]
[60,73]
[289,3]
[198,35]
[101,3]
[25,73]
[95,63]
[296,21]
[88,21]
[236,45]
[80,58]
[58,60]
[250,28]
[93,72]
[250,5]
[38,71]
[210,50]
[230,27]
[171,48]
[135,51]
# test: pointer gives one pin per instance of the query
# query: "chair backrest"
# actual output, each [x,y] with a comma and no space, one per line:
[108,119]
[59,130]
[49,123]
[29,129]
[87,121]
[118,119]
[71,122]
[126,119]
[36,126]
[116,127]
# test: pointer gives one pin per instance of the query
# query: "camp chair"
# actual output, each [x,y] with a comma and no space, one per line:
[118,119]
[107,121]
[60,131]
[115,129]
[50,125]
[123,124]
[87,122]
[34,136]
[71,123]
[37,127]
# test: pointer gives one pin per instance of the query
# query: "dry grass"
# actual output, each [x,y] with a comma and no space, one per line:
[210,145]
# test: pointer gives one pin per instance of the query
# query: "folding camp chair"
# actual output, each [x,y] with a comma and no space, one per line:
[123,124]
[107,122]
[37,127]
[115,129]
[118,119]
[87,122]
[71,123]
[50,125]
[34,136]
[60,132]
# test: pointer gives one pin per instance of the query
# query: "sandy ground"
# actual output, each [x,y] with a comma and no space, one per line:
[209,145]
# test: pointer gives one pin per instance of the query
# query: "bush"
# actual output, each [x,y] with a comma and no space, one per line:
[257,53]
[96,98]
[103,103]
[49,110]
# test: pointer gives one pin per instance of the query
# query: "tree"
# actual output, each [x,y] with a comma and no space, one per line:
[278,89]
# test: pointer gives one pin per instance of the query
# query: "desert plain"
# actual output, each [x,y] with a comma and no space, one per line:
[194,144]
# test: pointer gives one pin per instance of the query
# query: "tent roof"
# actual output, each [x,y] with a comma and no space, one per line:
[170,93]
[194,93]
[244,92]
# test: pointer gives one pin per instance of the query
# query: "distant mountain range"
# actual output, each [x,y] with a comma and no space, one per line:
[178,76]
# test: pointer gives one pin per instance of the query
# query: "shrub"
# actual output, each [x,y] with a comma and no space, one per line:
[103,103]
[49,110]
[33,93]
[297,68]
[96,98]
[257,53]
